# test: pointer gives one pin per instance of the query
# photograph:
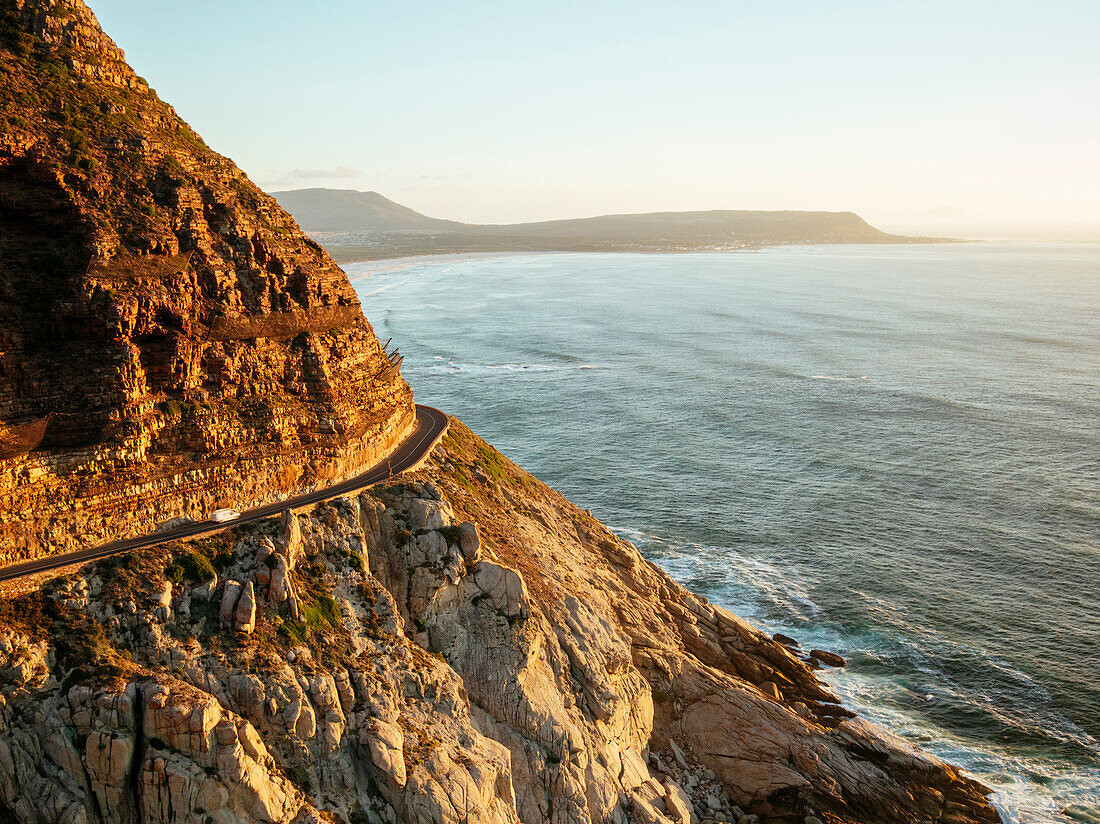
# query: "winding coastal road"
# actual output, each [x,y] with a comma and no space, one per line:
[431,424]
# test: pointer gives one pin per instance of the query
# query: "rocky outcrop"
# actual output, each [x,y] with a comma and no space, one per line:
[169,340]
[443,650]
[466,646]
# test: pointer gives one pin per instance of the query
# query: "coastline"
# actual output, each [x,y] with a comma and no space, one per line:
[353,253]
[1036,779]
[365,267]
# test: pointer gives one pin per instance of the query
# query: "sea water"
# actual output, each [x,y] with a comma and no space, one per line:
[892,452]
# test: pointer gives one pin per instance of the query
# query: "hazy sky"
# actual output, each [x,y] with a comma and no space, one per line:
[915,114]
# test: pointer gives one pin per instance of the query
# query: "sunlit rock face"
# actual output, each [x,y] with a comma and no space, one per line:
[463,646]
[169,339]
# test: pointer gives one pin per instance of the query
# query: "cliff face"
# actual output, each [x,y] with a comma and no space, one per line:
[169,339]
[465,646]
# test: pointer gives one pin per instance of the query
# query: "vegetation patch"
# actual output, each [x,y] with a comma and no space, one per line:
[135,574]
[353,559]
[193,567]
[82,649]
[320,611]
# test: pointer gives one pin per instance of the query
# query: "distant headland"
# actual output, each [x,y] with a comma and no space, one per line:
[355,225]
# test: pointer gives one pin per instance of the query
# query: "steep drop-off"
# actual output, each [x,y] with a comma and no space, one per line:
[464,646]
[169,339]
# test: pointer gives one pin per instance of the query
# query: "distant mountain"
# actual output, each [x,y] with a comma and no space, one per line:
[346,210]
[703,228]
[366,225]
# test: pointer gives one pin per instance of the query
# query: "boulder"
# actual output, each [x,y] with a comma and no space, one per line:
[279,587]
[678,803]
[162,597]
[245,615]
[230,595]
[469,542]
[386,743]
[290,538]
[202,591]
[427,514]
[830,659]
[504,587]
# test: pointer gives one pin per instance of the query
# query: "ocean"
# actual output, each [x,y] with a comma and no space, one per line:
[892,452]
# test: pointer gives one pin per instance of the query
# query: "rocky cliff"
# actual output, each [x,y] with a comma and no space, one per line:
[464,646]
[169,339]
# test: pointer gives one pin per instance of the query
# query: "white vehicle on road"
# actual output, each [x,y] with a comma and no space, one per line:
[221,516]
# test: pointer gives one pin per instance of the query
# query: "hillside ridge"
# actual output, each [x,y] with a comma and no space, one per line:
[170,341]
[377,227]
[460,645]
[349,210]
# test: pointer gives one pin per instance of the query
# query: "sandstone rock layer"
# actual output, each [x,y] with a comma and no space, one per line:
[169,340]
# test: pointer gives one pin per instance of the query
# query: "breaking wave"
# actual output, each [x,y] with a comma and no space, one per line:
[453,368]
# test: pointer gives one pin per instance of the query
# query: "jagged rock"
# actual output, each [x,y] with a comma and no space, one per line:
[293,604]
[504,587]
[386,743]
[162,598]
[203,591]
[291,537]
[830,659]
[150,290]
[230,596]
[279,587]
[244,619]
[469,541]
[679,753]
[678,803]
[771,690]
[551,684]
[429,514]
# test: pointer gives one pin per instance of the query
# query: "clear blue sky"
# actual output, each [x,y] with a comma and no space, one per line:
[909,113]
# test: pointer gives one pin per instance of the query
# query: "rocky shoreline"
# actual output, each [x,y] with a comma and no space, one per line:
[462,646]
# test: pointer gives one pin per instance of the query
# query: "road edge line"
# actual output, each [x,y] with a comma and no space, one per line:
[435,442]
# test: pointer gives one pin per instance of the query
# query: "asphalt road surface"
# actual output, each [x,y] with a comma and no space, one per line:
[430,426]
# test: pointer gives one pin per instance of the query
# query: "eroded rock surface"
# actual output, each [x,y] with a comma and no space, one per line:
[443,650]
[169,340]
